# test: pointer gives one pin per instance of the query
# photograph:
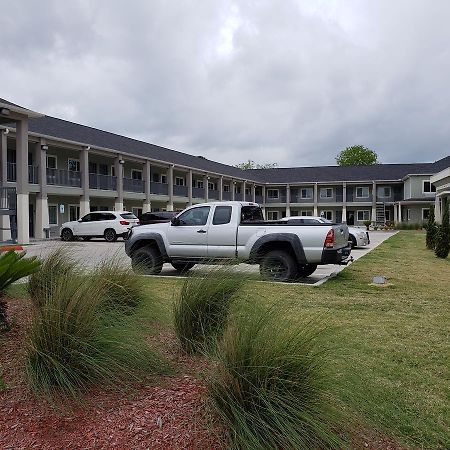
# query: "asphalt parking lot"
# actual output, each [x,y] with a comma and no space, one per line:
[91,253]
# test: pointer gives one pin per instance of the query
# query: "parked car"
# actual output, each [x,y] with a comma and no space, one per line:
[106,224]
[156,217]
[357,237]
[237,232]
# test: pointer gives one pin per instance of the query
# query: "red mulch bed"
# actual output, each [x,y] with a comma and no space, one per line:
[161,413]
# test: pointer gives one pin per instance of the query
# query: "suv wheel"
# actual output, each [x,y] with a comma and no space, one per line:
[110,235]
[278,265]
[182,267]
[306,270]
[352,240]
[147,260]
[66,235]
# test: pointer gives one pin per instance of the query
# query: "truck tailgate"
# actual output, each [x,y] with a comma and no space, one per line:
[340,235]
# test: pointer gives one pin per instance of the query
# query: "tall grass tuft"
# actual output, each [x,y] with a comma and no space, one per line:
[270,385]
[202,307]
[75,341]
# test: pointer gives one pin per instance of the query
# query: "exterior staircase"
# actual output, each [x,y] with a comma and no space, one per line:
[381,214]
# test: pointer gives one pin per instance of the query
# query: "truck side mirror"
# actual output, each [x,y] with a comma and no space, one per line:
[175,221]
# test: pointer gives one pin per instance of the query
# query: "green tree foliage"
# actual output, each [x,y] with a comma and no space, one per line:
[253,165]
[442,248]
[431,230]
[357,155]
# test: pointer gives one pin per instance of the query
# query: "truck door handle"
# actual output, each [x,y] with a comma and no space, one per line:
[201,231]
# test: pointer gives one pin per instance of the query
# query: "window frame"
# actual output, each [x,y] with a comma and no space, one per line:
[226,188]
[53,205]
[273,197]
[362,188]
[56,162]
[324,212]
[136,171]
[362,211]
[181,180]
[307,190]
[424,219]
[272,212]
[222,207]
[431,191]
[77,208]
[309,213]
[326,189]
[384,191]
[196,224]
[77,164]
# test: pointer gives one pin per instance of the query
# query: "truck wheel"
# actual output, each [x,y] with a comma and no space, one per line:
[278,265]
[66,235]
[352,240]
[182,267]
[147,261]
[306,270]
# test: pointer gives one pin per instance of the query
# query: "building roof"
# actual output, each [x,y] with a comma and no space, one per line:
[63,129]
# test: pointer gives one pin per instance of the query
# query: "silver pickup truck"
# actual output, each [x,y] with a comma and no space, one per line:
[221,232]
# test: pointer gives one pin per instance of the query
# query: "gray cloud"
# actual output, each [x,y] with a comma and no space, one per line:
[291,82]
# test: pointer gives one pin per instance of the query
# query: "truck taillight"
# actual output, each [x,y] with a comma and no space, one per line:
[329,240]
[124,222]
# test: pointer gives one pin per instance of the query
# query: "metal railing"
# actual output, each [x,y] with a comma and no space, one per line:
[102,182]
[198,192]
[259,199]
[132,185]
[60,177]
[11,173]
[180,191]
[8,198]
[226,195]
[159,188]
[280,199]
[213,193]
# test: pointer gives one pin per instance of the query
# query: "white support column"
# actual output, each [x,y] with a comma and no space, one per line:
[206,187]
[288,200]
[399,212]
[253,193]
[395,213]
[84,168]
[119,163]
[244,187]
[5,234]
[221,188]
[147,207]
[189,186]
[344,202]
[23,201]
[42,220]
[264,201]
[437,210]
[316,200]
[233,190]
[170,186]
[374,202]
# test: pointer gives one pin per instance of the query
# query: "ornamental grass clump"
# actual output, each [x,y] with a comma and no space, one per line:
[270,386]
[76,341]
[202,307]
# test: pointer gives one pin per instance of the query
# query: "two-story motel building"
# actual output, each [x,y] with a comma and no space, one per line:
[62,170]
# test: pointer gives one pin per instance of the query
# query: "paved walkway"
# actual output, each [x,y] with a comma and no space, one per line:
[92,252]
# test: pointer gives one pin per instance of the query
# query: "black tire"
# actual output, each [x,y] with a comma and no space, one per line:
[352,240]
[86,238]
[66,235]
[182,267]
[306,270]
[147,261]
[110,235]
[278,265]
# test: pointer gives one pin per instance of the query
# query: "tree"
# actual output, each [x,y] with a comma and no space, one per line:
[443,235]
[431,228]
[357,155]
[252,165]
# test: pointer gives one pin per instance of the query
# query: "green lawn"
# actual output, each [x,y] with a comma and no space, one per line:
[391,345]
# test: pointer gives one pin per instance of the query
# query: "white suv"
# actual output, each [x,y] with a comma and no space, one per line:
[107,224]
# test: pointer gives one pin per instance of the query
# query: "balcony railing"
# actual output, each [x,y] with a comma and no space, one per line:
[297,198]
[180,191]
[102,182]
[8,199]
[259,199]
[238,197]
[198,192]
[226,195]
[11,173]
[213,193]
[159,188]
[279,199]
[59,177]
[132,185]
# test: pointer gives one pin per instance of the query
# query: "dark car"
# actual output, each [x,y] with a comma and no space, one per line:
[156,217]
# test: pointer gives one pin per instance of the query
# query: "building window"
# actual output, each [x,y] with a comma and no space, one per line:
[156,177]
[327,215]
[362,192]
[326,192]
[179,181]
[428,188]
[247,191]
[226,188]
[425,214]
[273,193]
[306,193]
[164,179]
[113,170]
[384,192]
[103,169]
[53,214]
[294,213]
[272,215]
[363,215]
[136,174]
[74,212]
[222,215]
[137,211]
[73,165]
[199,184]
[52,162]
[305,213]
[212,186]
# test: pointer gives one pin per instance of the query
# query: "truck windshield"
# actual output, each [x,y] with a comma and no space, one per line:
[251,214]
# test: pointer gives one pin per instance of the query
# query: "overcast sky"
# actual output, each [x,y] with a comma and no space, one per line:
[284,81]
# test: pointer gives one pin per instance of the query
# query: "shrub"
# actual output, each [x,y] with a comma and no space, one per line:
[202,307]
[442,247]
[431,230]
[367,223]
[75,341]
[13,267]
[270,386]
[56,265]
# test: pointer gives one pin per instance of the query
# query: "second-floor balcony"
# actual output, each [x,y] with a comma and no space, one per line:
[180,191]
[159,188]
[226,195]
[132,185]
[102,182]
[58,177]
[213,194]
[280,199]
[198,192]
[11,173]
[259,199]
